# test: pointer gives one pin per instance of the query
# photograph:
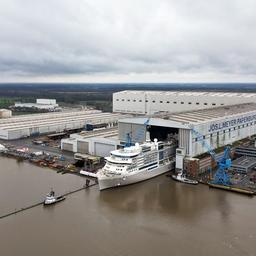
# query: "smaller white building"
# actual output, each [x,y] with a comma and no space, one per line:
[5,113]
[46,101]
[96,144]
[42,104]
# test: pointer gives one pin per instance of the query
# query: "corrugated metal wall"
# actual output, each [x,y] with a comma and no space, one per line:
[102,149]
[184,139]
[67,146]
[136,131]
[83,147]
[3,134]
[221,137]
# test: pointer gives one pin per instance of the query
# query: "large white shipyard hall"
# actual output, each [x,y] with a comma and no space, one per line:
[36,124]
[150,102]
[217,126]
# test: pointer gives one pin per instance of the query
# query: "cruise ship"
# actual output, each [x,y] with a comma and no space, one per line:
[136,163]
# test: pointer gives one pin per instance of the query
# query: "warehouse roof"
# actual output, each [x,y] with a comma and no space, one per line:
[106,132]
[203,115]
[190,93]
[182,120]
[49,119]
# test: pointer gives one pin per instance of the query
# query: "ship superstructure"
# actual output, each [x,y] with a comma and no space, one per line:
[136,163]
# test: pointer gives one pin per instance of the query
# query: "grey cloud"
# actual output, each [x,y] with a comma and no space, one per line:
[120,37]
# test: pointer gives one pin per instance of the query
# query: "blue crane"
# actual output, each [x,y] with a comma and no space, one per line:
[221,176]
[128,142]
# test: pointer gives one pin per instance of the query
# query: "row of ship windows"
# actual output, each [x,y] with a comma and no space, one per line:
[230,129]
[174,102]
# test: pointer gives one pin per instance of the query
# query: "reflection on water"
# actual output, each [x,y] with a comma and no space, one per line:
[164,196]
[155,217]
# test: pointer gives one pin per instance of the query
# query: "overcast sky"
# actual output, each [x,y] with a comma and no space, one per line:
[128,40]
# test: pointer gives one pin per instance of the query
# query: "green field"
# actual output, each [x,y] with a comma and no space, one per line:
[6,102]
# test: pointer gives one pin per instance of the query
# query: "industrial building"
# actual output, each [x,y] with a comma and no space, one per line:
[243,164]
[5,113]
[217,127]
[41,104]
[36,124]
[150,102]
[98,143]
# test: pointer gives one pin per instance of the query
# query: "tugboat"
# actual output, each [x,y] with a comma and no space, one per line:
[181,177]
[52,199]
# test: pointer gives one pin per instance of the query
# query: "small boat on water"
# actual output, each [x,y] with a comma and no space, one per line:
[52,199]
[181,177]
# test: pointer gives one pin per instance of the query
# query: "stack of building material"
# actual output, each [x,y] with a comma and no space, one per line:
[191,166]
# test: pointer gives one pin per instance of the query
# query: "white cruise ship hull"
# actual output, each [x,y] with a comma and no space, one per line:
[123,180]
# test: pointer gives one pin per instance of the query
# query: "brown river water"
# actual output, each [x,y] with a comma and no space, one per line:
[155,217]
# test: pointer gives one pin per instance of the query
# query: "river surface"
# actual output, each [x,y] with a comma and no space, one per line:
[155,217]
